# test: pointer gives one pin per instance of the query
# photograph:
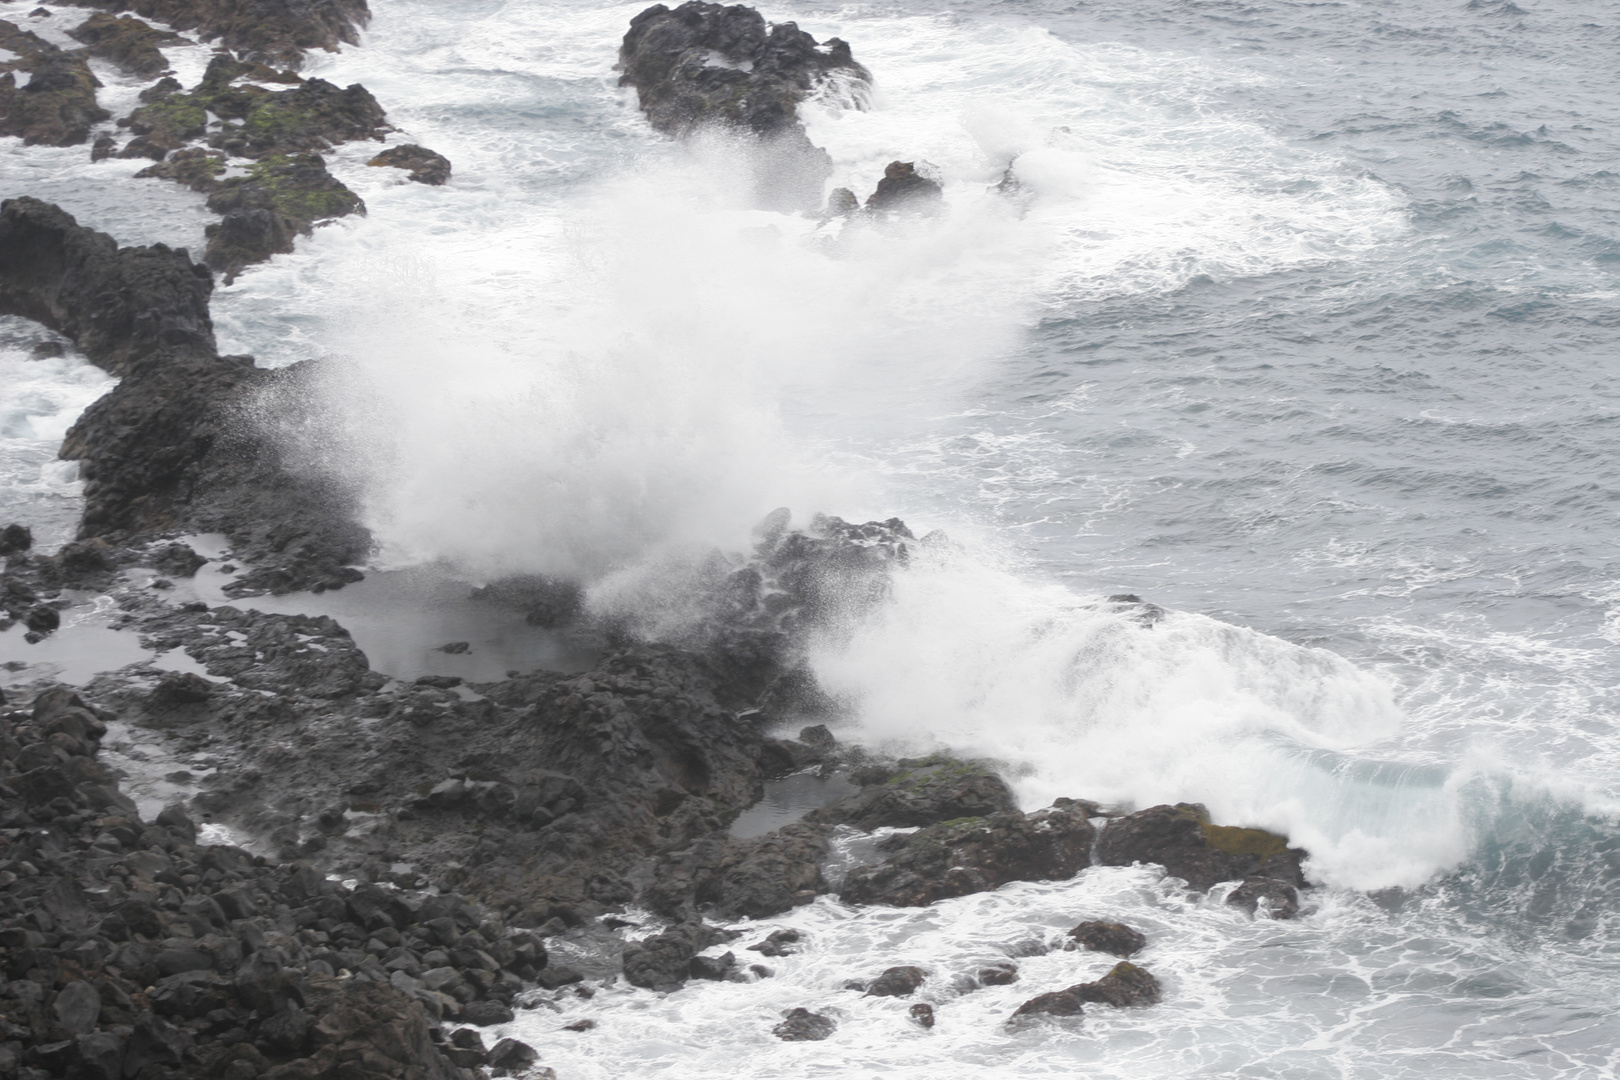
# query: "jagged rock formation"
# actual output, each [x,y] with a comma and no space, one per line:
[705,65]
[132,950]
[57,106]
[127,42]
[1188,845]
[266,31]
[169,448]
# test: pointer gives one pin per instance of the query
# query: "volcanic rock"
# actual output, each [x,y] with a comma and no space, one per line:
[961,857]
[896,982]
[1109,937]
[274,32]
[1188,845]
[802,1025]
[127,42]
[426,167]
[920,791]
[58,105]
[903,188]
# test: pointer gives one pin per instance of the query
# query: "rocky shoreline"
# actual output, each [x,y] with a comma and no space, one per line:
[416,844]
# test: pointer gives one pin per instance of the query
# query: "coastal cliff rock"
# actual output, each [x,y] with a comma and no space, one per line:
[706,65]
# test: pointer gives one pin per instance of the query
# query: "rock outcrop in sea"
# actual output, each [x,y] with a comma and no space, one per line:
[706,66]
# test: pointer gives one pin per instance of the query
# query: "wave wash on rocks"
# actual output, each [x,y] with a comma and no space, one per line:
[554,798]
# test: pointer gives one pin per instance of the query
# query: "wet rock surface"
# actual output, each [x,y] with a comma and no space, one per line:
[919,791]
[423,165]
[976,855]
[1125,986]
[1188,845]
[131,949]
[705,65]
[127,42]
[802,1025]
[1109,937]
[277,32]
[57,105]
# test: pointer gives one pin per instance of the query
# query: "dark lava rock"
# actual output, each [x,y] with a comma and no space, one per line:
[896,982]
[510,1057]
[1183,840]
[260,122]
[705,64]
[127,42]
[279,197]
[1109,937]
[922,791]
[903,188]
[1279,899]
[260,31]
[766,875]
[15,539]
[426,167]
[1056,1003]
[181,688]
[42,619]
[177,560]
[117,304]
[708,63]
[777,943]
[1124,985]
[712,968]
[959,858]
[802,1025]
[58,106]
[663,961]
[1000,974]
[487,1013]
[922,1014]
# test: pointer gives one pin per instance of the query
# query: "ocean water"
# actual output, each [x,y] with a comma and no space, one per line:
[1300,328]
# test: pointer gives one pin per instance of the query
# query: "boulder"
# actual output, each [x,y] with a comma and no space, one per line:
[1108,937]
[904,189]
[425,166]
[896,982]
[802,1025]
[1188,845]
[58,106]
[922,1014]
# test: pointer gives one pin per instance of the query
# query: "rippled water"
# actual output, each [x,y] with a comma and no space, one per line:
[1301,332]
